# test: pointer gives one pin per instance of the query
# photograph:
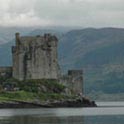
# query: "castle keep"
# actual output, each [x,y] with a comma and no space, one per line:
[35,57]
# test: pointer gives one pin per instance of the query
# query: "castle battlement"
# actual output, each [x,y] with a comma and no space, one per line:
[27,41]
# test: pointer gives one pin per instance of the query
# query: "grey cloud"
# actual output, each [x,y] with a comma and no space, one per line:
[84,13]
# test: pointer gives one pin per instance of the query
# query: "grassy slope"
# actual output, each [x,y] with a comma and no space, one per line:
[33,90]
[30,96]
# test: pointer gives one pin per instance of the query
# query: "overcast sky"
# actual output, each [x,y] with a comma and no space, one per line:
[84,13]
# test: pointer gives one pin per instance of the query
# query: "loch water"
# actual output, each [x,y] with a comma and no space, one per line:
[105,113]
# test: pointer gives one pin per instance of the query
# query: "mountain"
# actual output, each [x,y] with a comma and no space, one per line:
[5,54]
[57,33]
[91,46]
[9,33]
[99,52]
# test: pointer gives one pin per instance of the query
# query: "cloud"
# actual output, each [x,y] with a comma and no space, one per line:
[84,13]
[23,19]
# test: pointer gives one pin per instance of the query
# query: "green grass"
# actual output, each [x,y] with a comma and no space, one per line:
[31,97]
[50,85]
[44,85]
[34,90]
[18,95]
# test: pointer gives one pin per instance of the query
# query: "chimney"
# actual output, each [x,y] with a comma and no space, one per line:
[17,37]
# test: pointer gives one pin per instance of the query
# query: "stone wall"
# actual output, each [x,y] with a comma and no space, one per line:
[35,57]
[74,81]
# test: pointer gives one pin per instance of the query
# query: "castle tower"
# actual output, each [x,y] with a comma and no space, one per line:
[75,81]
[35,57]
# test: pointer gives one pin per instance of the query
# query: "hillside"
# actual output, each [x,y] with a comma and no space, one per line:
[7,33]
[98,51]
[90,46]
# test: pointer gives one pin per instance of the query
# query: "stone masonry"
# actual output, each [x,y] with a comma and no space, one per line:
[35,57]
[73,80]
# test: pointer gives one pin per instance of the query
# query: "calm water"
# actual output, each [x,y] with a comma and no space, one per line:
[111,113]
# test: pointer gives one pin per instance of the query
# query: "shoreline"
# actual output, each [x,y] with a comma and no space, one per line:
[55,104]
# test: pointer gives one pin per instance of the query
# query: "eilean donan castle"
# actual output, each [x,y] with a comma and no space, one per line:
[35,57]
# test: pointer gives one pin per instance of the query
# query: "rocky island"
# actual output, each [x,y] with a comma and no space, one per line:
[35,78]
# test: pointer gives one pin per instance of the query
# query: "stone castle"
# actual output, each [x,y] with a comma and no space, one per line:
[35,57]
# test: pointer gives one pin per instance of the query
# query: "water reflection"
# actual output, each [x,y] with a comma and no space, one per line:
[63,120]
[41,120]
[104,119]
[99,115]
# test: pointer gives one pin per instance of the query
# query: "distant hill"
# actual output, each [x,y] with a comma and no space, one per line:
[5,48]
[99,52]
[57,33]
[5,54]
[91,46]
[7,33]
